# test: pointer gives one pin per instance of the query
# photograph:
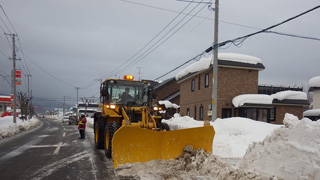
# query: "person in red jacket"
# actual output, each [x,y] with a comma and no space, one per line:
[82,126]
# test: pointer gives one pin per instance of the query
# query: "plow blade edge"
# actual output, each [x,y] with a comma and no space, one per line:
[132,144]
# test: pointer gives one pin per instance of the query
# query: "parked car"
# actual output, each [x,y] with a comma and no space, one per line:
[65,119]
[73,120]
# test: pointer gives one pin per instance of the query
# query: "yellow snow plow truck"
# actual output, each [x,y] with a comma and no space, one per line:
[130,131]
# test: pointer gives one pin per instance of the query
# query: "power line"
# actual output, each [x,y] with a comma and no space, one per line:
[119,67]
[173,11]
[142,56]
[293,35]
[239,40]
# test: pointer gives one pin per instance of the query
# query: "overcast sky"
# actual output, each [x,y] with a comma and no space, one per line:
[74,43]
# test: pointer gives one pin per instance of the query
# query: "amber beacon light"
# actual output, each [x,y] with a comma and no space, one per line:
[128,77]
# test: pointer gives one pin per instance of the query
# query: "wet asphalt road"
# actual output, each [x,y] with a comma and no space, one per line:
[53,151]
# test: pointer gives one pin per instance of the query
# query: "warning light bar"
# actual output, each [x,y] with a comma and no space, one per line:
[128,77]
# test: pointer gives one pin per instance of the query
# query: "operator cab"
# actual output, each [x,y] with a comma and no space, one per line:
[124,92]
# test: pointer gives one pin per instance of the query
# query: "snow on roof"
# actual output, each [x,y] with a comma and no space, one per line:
[294,95]
[312,112]
[252,99]
[205,63]
[168,104]
[239,58]
[314,82]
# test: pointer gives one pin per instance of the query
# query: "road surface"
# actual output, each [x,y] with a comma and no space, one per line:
[53,151]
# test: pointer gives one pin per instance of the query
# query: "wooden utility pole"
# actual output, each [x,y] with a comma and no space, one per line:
[13,77]
[215,64]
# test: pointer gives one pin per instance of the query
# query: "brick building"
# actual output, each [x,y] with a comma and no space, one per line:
[168,90]
[237,74]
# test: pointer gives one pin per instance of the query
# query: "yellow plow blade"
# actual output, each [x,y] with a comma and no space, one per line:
[132,144]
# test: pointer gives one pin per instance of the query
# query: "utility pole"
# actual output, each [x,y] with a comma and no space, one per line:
[139,72]
[28,76]
[215,64]
[64,101]
[77,88]
[14,76]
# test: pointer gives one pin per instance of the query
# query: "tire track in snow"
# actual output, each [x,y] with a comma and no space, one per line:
[51,168]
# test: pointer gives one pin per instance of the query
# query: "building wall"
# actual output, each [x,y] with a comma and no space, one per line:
[281,110]
[167,90]
[231,82]
[316,99]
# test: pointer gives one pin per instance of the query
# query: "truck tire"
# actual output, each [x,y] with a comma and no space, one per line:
[98,133]
[163,126]
[110,129]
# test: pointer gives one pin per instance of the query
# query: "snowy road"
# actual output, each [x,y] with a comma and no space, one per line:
[53,151]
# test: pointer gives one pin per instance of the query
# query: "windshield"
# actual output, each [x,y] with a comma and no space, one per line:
[124,92]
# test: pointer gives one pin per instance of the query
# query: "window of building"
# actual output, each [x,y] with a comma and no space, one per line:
[206,80]
[195,112]
[259,114]
[226,112]
[201,112]
[199,81]
[188,112]
[192,84]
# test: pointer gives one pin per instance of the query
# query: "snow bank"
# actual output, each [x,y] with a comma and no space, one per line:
[205,63]
[251,98]
[294,95]
[233,135]
[314,82]
[191,165]
[8,128]
[291,152]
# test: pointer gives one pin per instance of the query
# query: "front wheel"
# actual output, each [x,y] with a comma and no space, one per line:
[109,131]
[98,134]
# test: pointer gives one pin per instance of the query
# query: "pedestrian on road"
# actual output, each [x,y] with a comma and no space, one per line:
[82,126]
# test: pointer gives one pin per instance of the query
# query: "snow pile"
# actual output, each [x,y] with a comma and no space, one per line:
[233,135]
[169,104]
[294,95]
[251,98]
[191,165]
[205,63]
[8,128]
[314,82]
[291,152]
[312,112]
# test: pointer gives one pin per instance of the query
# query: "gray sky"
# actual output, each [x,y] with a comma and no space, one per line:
[79,41]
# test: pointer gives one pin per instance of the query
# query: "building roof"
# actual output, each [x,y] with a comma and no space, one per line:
[164,83]
[230,60]
[172,96]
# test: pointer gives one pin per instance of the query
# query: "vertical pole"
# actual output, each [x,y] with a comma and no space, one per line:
[215,64]
[14,78]
[77,88]
[64,101]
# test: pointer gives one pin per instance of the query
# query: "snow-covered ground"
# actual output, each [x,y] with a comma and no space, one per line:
[256,150]
[242,149]
[8,128]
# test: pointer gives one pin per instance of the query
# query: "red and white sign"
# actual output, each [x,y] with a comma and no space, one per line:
[18,74]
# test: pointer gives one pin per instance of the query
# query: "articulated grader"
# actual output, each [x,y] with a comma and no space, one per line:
[129,129]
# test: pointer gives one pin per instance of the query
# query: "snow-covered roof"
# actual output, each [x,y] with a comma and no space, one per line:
[205,63]
[312,112]
[168,104]
[252,99]
[314,82]
[293,95]
[268,99]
